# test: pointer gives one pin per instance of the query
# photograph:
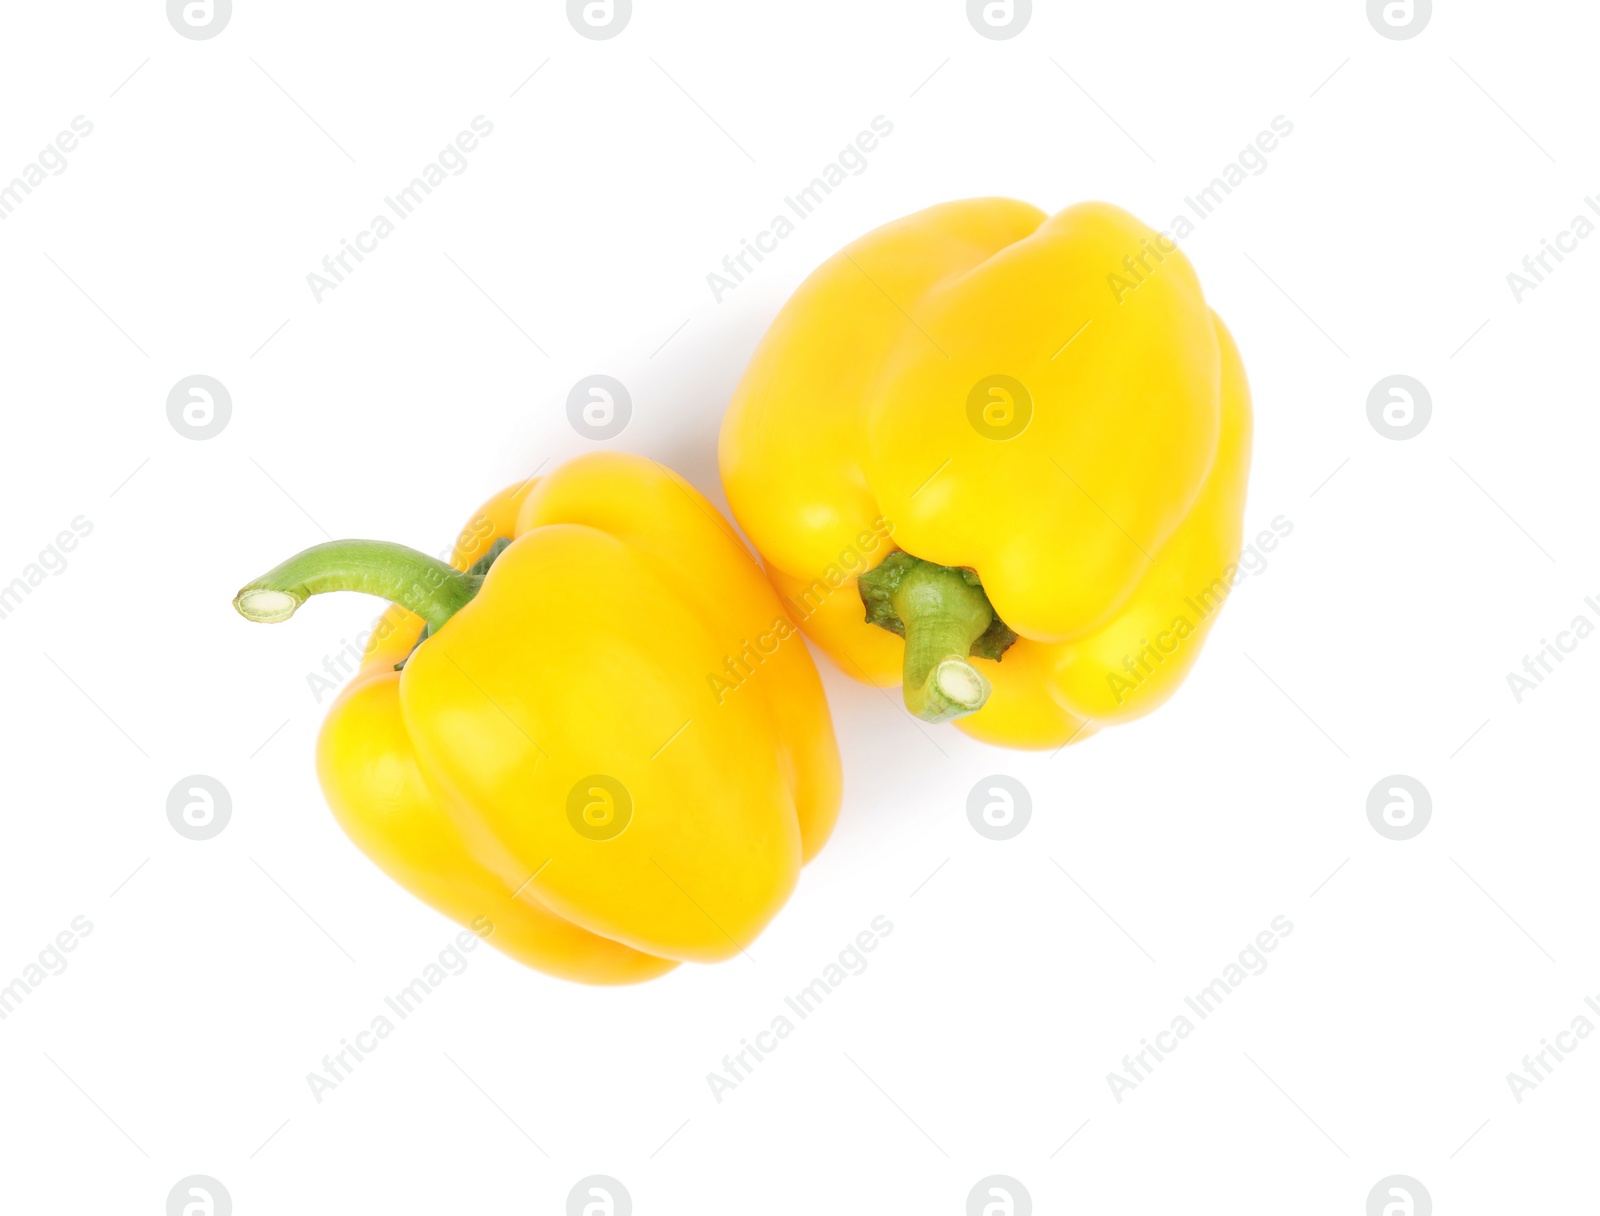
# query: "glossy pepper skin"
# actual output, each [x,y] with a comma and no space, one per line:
[1096,492]
[573,688]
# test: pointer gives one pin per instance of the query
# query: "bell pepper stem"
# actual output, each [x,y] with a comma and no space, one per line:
[424,585]
[943,614]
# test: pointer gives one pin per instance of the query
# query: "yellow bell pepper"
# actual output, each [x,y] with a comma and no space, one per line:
[592,755]
[1017,441]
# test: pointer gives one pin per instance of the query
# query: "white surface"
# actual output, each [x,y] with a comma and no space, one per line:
[980,1037]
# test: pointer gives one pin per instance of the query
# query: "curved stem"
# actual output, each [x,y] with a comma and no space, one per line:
[941,611]
[424,585]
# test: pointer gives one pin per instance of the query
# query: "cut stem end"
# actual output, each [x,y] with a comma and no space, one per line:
[954,689]
[265,606]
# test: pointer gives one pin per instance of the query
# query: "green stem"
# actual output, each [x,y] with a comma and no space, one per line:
[943,614]
[424,585]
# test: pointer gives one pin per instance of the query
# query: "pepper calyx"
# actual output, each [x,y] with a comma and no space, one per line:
[945,618]
[878,587]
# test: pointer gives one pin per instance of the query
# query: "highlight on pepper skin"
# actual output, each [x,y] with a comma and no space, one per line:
[535,740]
[999,458]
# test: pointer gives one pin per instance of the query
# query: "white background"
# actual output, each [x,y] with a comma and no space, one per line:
[978,1041]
